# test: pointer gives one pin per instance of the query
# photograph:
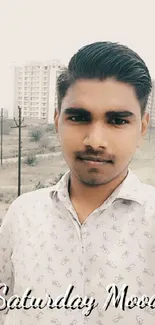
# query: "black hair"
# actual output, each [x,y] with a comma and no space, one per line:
[102,60]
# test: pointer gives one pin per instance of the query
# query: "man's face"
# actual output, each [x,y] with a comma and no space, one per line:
[99,120]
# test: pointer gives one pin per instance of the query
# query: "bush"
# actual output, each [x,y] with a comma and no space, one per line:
[51,128]
[44,143]
[31,160]
[49,184]
[57,178]
[39,186]
[52,149]
[35,135]
[1,197]
[10,199]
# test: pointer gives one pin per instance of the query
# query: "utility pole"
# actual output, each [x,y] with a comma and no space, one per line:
[1,136]
[19,126]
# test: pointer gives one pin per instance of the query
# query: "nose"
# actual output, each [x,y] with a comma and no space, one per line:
[97,138]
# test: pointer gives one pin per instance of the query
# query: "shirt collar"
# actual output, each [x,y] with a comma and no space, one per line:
[130,189]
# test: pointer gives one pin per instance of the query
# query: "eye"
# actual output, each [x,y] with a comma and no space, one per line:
[119,121]
[78,118]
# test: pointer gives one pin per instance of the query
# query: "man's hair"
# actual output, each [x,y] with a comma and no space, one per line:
[102,60]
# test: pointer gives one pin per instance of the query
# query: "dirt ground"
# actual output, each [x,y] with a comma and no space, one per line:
[46,170]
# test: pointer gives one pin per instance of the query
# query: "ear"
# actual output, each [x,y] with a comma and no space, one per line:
[56,118]
[144,127]
[145,124]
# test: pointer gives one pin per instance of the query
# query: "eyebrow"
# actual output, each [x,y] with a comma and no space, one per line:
[109,114]
[73,111]
[112,114]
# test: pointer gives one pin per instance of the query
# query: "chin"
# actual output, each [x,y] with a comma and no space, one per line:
[93,181]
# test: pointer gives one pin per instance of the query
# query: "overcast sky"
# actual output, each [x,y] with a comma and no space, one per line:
[48,29]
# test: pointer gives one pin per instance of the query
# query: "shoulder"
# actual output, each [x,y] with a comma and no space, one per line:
[31,198]
[30,204]
[148,198]
[148,192]
[34,195]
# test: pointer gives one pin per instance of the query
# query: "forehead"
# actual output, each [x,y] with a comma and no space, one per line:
[95,95]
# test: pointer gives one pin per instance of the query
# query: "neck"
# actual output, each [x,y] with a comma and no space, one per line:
[85,198]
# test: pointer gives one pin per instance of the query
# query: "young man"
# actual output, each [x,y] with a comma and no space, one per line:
[83,251]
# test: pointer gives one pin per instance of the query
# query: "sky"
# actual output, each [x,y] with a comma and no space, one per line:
[56,29]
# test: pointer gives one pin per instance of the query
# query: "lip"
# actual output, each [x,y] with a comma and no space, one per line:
[94,161]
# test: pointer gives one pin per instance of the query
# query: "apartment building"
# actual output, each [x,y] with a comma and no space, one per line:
[35,90]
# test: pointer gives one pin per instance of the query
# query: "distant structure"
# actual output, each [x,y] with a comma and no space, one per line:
[5,113]
[151,105]
[35,89]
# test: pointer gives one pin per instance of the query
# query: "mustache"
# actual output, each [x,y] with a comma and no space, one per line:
[95,154]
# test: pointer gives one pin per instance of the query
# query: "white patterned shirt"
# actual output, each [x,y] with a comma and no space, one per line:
[44,247]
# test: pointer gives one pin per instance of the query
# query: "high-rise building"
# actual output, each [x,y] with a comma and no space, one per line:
[35,90]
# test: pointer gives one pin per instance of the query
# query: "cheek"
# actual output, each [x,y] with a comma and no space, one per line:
[128,138]
[68,138]
[126,145]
